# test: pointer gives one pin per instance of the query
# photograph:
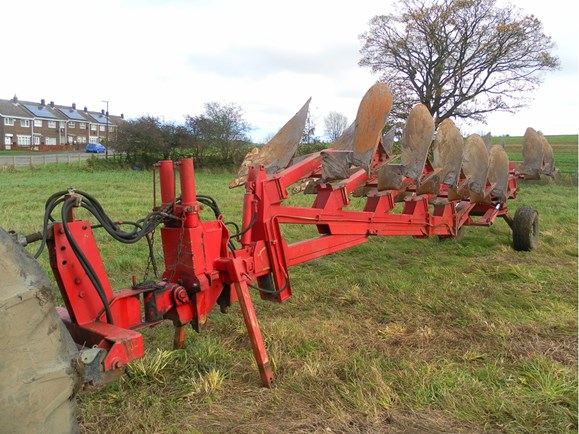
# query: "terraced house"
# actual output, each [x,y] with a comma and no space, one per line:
[41,126]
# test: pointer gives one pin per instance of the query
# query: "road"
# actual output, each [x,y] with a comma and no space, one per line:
[42,158]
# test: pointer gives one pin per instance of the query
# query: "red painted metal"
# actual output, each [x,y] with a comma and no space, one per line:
[200,270]
[80,296]
[189,205]
[237,274]
[167,180]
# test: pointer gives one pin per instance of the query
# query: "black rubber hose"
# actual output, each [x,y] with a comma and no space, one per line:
[53,201]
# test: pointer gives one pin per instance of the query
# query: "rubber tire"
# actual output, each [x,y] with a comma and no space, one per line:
[37,380]
[525,229]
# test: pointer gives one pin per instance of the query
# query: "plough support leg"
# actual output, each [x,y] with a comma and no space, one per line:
[254,332]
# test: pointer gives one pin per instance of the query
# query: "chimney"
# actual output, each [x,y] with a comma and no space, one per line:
[42,102]
[74,106]
[103,111]
[85,109]
[15,99]
[122,115]
[52,104]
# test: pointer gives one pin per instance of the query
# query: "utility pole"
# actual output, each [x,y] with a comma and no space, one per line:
[107,131]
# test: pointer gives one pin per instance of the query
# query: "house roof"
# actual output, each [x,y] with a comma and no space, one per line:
[31,110]
[11,109]
[43,111]
[73,114]
[99,117]
[116,120]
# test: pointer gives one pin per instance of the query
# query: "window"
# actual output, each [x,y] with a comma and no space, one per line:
[102,128]
[93,139]
[9,122]
[81,139]
[51,124]
[71,124]
[36,140]
[38,122]
[23,140]
[50,140]
[8,139]
[82,125]
[25,123]
[93,127]
[62,124]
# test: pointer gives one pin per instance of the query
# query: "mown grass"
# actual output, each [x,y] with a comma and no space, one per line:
[396,335]
[11,152]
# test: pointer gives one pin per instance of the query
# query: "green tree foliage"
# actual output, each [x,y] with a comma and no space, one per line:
[461,58]
[216,137]
[147,139]
[221,128]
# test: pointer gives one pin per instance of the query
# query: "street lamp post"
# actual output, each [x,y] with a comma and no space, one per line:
[107,131]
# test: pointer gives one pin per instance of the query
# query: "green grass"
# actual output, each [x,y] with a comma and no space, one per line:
[11,152]
[563,139]
[396,335]
[564,146]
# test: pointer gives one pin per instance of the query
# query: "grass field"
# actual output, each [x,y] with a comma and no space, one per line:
[565,147]
[397,335]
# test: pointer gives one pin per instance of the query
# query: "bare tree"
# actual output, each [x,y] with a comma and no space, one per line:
[335,123]
[461,58]
[309,136]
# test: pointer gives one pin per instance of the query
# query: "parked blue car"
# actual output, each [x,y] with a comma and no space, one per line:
[95,148]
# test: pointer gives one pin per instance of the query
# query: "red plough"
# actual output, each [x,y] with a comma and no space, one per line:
[463,185]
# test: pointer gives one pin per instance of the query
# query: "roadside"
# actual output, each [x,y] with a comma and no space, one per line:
[35,158]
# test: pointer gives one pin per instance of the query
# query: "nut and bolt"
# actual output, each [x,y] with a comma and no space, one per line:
[181,295]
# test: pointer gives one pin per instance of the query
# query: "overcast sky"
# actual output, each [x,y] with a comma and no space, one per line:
[168,58]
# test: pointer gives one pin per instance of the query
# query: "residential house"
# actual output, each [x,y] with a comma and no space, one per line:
[41,126]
